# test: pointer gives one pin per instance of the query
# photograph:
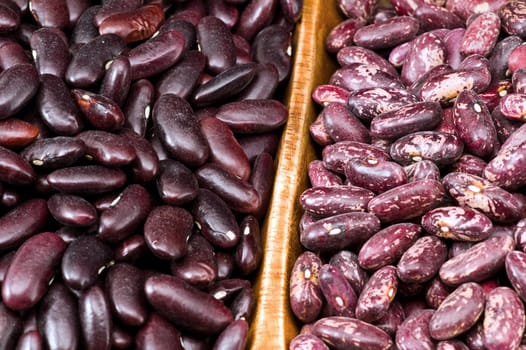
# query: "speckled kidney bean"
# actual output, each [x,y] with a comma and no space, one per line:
[469,164]
[394,317]
[487,26]
[433,16]
[387,34]
[306,298]
[377,294]
[341,35]
[342,125]
[413,333]
[358,54]
[415,265]
[374,174]
[347,262]
[426,51]
[337,155]
[503,324]
[334,200]
[422,170]
[338,294]
[357,76]
[516,58]
[459,311]
[369,103]
[307,341]
[512,18]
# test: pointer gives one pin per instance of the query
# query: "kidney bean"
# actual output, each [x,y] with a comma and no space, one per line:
[433,16]
[157,333]
[176,184]
[184,75]
[11,54]
[377,294]
[319,132]
[334,200]
[19,84]
[369,103]
[95,319]
[72,210]
[515,267]
[216,43]
[50,14]
[87,179]
[49,48]
[55,152]
[422,170]
[357,54]
[478,262]
[503,324]
[414,266]
[413,333]
[342,34]
[117,80]
[486,25]
[107,148]
[272,45]
[16,133]
[512,15]
[226,289]
[22,222]
[426,51]
[336,156]
[357,76]
[305,295]
[387,34]
[326,94]
[307,341]
[469,164]
[100,111]
[145,167]
[131,249]
[394,317]
[320,176]
[436,292]
[249,251]
[30,340]
[342,125]
[338,294]
[85,29]
[114,7]
[57,318]
[516,58]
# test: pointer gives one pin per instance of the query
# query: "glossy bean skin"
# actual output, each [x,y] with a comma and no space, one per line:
[87,64]
[10,17]
[106,148]
[55,152]
[432,16]
[157,333]
[427,51]
[137,107]
[339,231]
[19,84]
[413,333]
[377,294]
[178,130]
[469,164]
[342,34]
[176,183]
[515,268]
[215,219]
[53,100]
[486,25]
[358,54]
[375,253]
[95,319]
[348,263]
[325,94]
[338,294]
[50,15]
[30,340]
[72,210]
[334,200]
[16,133]
[357,76]
[262,180]
[422,170]
[166,231]
[511,15]
[374,174]
[499,57]
[198,267]
[186,306]
[12,327]
[14,169]
[350,333]
[419,196]
[306,298]
[387,34]
[342,125]
[50,51]
[503,323]
[462,224]
[249,251]
[272,45]
[131,249]
[319,175]
[22,222]
[117,80]
[337,155]
[100,111]
[57,318]
[85,29]
[184,75]
[113,7]
[414,266]
[217,44]
[478,262]
[467,301]
[26,280]
[145,166]
[516,58]
[88,179]
[369,103]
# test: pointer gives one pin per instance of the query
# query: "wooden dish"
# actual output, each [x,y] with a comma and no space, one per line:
[273,325]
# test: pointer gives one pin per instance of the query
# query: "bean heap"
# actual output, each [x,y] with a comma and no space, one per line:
[414,227]
[121,230]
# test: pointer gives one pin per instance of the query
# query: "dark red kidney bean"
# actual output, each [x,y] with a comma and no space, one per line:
[272,45]
[22,222]
[5,261]
[85,29]
[358,76]
[426,52]
[176,183]
[30,340]
[432,16]
[50,51]
[179,131]
[342,34]
[215,219]
[216,43]
[334,200]
[228,13]
[198,267]
[72,210]
[16,133]
[342,125]
[227,288]
[422,170]
[387,34]
[234,336]
[57,318]
[131,249]
[166,231]
[27,278]
[11,327]
[262,180]
[137,108]
[157,333]
[195,343]
[54,152]
[459,311]
[75,10]
[350,333]
[338,294]
[87,64]
[224,148]
[253,116]
[113,7]
[57,107]
[498,59]
[243,304]
[225,265]
[440,147]
[184,75]
[422,261]
[50,14]
[83,261]
[145,167]
[183,26]
[339,231]
[12,53]
[224,85]
[10,14]
[503,324]
[375,174]
[336,156]
[477,263]
[186,306]
[121,338]
[387,245]
[155,55]
[117,80]
[19,83]
[358,54]
[106,148]
[348,264]
[477,193]
[457,223]
[249,251]
[326,94]
[134,25]
[377,294]
[95,319]
[100,111]
[487,26]
[87,179]
[410,118]
[125,288]
[512,15]
[413,333]
[419,197]
[253,145]
[306,298]
[515,264]
[254,17]
[263,85]
[392,320]
[319,175]
[369,103]
[69,233]
[469,164]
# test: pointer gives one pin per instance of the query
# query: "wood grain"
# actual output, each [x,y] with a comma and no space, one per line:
[273,325]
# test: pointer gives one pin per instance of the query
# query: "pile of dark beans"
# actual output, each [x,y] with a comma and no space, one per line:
[137,141]
[414,226]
